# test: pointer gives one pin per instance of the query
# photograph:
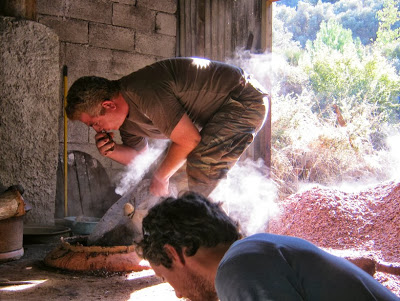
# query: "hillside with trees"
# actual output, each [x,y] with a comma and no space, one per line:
[334,77]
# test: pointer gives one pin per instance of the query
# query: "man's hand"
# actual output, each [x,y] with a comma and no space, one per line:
[105,143]
[159,187]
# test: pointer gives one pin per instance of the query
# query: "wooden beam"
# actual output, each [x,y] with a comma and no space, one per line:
[266,25]
[25,9]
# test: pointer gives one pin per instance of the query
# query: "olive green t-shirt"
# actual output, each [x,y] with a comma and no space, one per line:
[158,95]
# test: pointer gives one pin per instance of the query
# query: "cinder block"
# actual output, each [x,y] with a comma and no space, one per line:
[50,7]
[91,10]
[168,6]
[124,63]
[141,19]
[112,37]
[86,60]
[129,2]
[157,44]
[166,24]
[78,132]
[68,30]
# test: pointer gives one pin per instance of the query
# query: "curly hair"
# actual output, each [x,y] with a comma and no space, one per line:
[87,93]
[190,221]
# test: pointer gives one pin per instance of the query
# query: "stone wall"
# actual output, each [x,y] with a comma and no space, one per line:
[108,38]
[29,104]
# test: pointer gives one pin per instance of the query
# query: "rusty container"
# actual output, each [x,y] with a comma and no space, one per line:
[11,238]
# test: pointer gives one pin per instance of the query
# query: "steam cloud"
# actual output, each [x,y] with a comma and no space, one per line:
[394,145]
[138,168]
[248,196]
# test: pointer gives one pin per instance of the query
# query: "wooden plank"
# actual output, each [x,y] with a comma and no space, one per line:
[188,44]
[228,30]
[74,197]
[83,182]
[207,29]
[214,30]
[90,192]
[59,210]
[102,195]
[192,26]
[200,29]
[221,30]
[182,32]
[266,26]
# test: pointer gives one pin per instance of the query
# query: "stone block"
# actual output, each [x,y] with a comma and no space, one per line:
[85,60]
[29,107]
[68,30]
[90,10]
[141,19]
[156,44]
[78,132]
[166,24]
[50,7]
[111,37]
[129,2]
[124,63]
[168,6]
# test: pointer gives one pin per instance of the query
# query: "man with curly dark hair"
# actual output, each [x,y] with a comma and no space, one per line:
[191,243]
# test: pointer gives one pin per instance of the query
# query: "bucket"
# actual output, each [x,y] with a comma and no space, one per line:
[11,238]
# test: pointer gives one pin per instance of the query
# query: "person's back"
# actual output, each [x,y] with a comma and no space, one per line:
[199,86]
[273,267]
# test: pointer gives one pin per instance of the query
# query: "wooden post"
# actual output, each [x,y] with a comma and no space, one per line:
[25,9]
[266,45]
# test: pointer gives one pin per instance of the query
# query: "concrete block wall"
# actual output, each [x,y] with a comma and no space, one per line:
[108,38]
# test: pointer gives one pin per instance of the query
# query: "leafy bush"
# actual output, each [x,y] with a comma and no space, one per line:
[335,99]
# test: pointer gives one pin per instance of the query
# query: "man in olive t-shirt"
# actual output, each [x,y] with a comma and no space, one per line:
[210,111]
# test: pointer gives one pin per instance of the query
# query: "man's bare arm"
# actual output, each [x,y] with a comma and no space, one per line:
[118,152]
[124,154]
[185,137]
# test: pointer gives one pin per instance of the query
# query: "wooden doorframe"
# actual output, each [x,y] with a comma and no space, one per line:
[209,28]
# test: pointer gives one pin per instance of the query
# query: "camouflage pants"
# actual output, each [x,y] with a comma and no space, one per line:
[225,137]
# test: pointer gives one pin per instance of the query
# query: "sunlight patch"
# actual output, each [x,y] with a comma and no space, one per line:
[201,63]
[142,274]
[20,285]
[162,291]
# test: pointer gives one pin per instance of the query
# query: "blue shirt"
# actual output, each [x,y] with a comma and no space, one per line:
[274,267]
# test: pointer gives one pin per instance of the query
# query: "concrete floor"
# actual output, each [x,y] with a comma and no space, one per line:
[45,283]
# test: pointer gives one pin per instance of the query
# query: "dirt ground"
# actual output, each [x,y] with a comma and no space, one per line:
[54,284]
[362,225]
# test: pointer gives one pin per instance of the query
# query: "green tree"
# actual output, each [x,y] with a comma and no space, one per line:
[388,16]
[388,34]
[343,71]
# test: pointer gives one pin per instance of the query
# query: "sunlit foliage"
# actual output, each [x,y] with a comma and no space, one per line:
[335,90]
